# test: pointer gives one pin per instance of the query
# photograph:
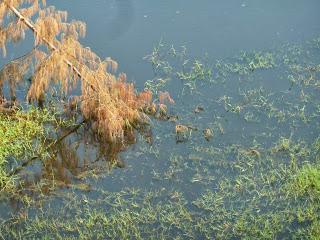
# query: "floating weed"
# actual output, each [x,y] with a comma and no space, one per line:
[198,71]
[257,178]
[22,136]
[283,145]
[245,64]
[307,180]
[170,63]
[156,84]
[257,60]
[223,213]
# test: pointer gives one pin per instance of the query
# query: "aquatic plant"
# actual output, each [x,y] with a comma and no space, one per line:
[253,179]
[22,137]
[169,62]
[308,180]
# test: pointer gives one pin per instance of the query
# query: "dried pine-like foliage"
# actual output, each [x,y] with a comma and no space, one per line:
[109,103]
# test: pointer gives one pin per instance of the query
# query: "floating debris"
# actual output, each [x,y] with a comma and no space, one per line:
[198,109]
[195,157]
[173,118]
[182,132]
[181,129]
[120,163]
[254,152]
[81,187]
[208,134]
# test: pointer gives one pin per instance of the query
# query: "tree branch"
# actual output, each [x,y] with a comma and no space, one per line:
[51,46]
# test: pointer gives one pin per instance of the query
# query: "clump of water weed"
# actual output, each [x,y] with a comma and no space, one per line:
[307,180]
[22,136]
[170,63]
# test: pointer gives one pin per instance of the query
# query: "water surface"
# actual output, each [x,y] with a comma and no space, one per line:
[258,94]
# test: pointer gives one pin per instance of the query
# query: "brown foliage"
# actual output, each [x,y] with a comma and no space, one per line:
[110,103]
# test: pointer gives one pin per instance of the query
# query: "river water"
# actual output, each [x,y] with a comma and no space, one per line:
[245,79]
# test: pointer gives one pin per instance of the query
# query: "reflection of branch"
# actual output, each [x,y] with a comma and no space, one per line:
[70,132]
[30,160]
[7,111]
[18,59]
[8,107]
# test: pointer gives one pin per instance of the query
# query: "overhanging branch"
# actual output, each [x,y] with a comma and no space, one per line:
[51,46]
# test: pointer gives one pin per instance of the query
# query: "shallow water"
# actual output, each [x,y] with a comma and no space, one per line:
[252,110]
[129,29]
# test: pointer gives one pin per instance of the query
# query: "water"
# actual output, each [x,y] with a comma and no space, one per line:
[129,29]
[262,109]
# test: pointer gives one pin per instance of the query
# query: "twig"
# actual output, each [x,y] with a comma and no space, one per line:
[7,111]
[51,46]
[8,107]
[17,59]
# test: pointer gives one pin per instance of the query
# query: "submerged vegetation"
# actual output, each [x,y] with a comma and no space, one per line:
[308,180]
[267,205]
[27,136]
[22,137]
[256,181]
[237,157]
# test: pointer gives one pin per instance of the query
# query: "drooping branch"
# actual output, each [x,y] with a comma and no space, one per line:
[30,25]
[51,46]
[109,103]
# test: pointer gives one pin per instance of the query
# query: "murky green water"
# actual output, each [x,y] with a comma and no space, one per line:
[245,77]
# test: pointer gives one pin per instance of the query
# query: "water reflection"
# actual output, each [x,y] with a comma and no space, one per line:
[249,112]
